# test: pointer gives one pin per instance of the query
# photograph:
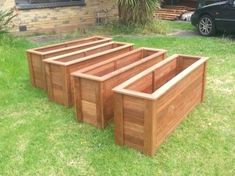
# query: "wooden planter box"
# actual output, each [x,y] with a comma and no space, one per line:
[58,69]
[37,55]
[149,106]
[93,85]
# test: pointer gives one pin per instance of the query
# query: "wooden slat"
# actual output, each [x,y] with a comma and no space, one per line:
[77,98]
[139,86]
[172,12]
[133,140]
[204,82]
[134,145]
[133,129]
[149,147]
[88,90]
[101,123]
[118,119]
[89,112]
[68,44]
[30,66]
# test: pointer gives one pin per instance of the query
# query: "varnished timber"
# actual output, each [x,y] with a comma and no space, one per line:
[93,85]
[37,55]
[150,105]
[58,69]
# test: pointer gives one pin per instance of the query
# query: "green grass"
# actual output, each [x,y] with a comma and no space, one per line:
[182,25]
[158,26]
[39,137]
[116,28]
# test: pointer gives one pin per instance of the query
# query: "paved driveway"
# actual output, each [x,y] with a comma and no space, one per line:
[189,33]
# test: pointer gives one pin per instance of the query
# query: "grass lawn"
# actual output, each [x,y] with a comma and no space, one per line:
[39,137]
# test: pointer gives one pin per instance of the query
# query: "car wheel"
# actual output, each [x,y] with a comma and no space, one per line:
[206,26]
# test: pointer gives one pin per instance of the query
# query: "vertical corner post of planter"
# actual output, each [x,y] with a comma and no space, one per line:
[77,98]
[48,79]
[131,48]
[99,105]
[43,69]
[164,55]
[67,95]
[204,81]
[153,80]
[149,125]
[31,73]
[118,119]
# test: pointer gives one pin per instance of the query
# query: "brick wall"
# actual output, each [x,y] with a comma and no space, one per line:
[60,18]
[6,4]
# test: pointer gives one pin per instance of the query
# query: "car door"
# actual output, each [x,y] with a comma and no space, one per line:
[225,17]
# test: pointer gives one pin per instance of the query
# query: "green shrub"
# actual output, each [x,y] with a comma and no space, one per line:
[153,27]
[137,11]
[5,18]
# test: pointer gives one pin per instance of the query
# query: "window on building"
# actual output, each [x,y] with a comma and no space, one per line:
[35,4]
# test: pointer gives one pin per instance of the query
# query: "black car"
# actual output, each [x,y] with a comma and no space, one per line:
[218,16]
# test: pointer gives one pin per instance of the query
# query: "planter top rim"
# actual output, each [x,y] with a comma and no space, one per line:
[70,47]
[53,60]
[82,74]
[64,43]
[167,86]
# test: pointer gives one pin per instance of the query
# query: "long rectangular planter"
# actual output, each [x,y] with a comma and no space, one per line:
[93,85]
[58,69]
[150,105]
[37,55]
